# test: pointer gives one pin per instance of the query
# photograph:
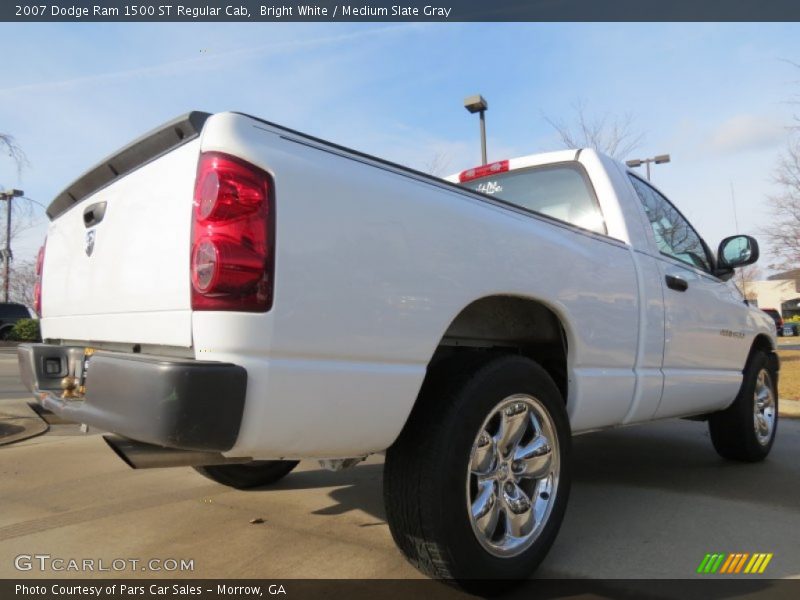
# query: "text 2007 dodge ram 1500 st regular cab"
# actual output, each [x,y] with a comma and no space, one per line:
[232,295]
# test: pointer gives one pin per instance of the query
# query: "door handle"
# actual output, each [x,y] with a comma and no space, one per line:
[676,283]
[93,214]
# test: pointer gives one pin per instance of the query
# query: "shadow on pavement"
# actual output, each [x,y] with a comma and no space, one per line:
[19,422]
[673,456]
[679,457]
[9,429]
[359,488]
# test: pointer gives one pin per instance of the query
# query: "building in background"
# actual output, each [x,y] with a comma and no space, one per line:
[779,291]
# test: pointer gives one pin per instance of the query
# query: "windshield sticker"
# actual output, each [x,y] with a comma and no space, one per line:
[489,187]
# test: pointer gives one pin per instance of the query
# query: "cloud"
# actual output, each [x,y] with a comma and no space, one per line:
[745,132]
[208,61]
[68,123]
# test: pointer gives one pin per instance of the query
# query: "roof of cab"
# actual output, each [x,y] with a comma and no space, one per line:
[530,160]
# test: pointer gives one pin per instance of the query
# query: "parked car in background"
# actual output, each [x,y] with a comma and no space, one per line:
[10,313]
[776,316]
[790,328]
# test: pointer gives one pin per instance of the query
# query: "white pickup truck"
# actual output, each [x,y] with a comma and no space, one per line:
[233,295]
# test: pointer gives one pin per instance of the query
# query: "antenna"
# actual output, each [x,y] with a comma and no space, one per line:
[742,286]
[733,202]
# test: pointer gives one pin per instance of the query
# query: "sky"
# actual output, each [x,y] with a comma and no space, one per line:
[716,97]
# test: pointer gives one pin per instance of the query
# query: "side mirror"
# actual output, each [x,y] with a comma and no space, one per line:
[736,251]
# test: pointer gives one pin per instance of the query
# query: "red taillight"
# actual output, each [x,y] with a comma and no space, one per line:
[500,166]
[37,287]
[232,236]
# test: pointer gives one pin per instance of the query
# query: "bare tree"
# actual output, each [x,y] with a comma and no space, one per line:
[745,276]
[610,134]
[23,278]
[9,145]
[438,164]
[23,272]
[794,99]
[783,232]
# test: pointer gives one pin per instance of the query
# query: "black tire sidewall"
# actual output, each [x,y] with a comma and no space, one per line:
[733,430]
[760,361]
[497,381]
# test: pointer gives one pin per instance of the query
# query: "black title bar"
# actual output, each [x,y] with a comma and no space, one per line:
[398,11]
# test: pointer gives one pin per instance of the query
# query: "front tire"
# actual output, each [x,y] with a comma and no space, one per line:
[248,475]
[745,431]
[476,485]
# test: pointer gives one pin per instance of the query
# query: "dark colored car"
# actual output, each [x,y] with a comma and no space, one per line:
[790,328]
[776,316]
[10,313]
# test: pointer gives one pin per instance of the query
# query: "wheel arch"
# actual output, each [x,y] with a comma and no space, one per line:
[764,343]
[505,323]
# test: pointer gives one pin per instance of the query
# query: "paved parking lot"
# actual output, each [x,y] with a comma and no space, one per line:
[647,501]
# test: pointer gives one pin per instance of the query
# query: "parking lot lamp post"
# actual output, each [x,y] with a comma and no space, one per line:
[638,162]
[8,196]
[477,104]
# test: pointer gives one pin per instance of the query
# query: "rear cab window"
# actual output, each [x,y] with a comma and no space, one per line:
[559,191]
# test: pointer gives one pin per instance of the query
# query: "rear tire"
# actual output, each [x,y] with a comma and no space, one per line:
[248,475]
[745,431]
[483,434]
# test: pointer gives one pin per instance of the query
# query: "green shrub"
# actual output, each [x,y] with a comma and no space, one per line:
[25,330]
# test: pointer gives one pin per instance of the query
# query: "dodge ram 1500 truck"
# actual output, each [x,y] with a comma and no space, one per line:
[232,295]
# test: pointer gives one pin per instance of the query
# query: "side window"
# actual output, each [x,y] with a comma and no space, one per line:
[674,235]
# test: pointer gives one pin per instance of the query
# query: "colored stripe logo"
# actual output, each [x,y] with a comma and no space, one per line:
[735,563]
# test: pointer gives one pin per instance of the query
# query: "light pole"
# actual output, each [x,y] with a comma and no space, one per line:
[477,104]
[8,196]
[638,162]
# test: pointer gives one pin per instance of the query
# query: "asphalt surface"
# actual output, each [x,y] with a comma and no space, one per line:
[647,502]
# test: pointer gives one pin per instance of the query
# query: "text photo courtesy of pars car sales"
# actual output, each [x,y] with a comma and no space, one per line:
[153,590]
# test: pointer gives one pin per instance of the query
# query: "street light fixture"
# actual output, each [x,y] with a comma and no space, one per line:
[8,196]
[477,104]
[638,162]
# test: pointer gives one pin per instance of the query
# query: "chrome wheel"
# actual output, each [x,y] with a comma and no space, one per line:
[764,407]
[512,477]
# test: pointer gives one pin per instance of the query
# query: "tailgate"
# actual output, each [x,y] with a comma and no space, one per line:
[116,265]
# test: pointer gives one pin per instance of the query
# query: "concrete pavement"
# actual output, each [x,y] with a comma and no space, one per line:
[647,501]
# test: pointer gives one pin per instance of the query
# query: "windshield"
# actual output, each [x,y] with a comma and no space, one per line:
[558,191]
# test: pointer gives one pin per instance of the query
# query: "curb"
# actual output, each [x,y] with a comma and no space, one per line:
[789,409]
[18,421]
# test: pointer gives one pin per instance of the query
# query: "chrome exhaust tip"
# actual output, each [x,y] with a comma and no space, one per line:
[140,455]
